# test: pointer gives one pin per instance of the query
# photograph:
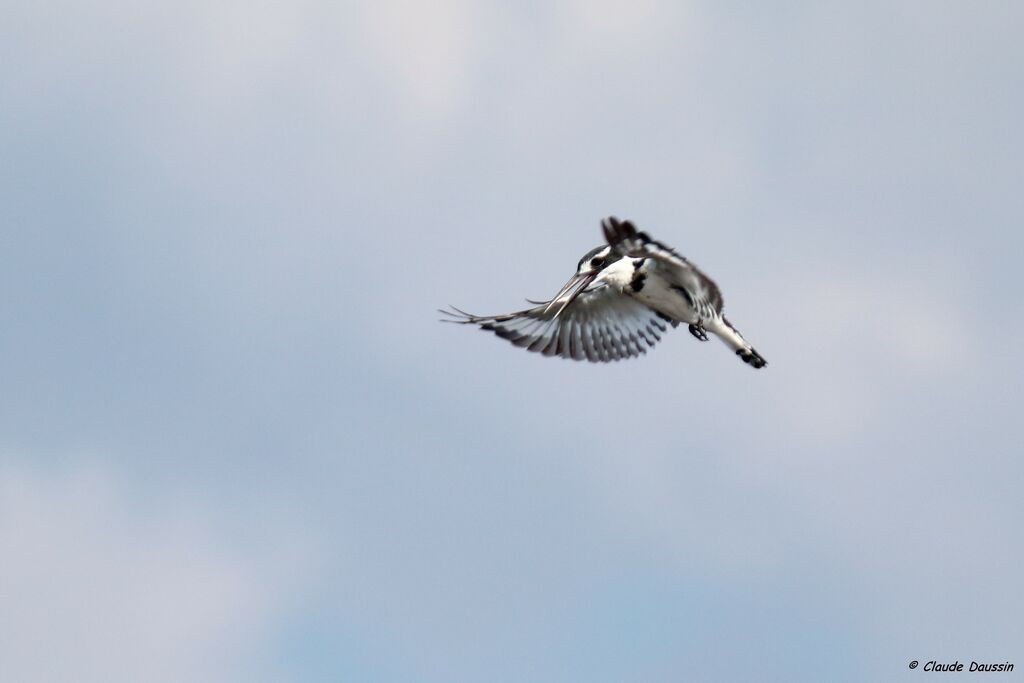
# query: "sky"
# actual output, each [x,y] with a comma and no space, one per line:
[237,445]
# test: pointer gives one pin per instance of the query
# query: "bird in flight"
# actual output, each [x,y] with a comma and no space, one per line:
[622,298]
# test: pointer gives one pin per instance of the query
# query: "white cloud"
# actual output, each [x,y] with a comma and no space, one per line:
[94,587]
[853,336]
[617,28]
[426,49]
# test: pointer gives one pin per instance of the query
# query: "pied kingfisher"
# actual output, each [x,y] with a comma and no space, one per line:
[618,303]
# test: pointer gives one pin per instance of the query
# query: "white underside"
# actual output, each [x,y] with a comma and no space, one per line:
[658,294]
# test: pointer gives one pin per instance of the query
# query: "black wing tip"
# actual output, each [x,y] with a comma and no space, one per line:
[616,231]
[608,227]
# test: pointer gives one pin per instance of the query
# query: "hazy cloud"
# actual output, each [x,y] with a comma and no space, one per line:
[99,585]
[236,440]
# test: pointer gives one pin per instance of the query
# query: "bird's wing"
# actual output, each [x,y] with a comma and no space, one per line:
[704,295]
[600,325]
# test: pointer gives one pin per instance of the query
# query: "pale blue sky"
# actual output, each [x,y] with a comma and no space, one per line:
[236,445]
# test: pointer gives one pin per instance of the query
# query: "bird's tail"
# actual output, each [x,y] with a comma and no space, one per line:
[735,341]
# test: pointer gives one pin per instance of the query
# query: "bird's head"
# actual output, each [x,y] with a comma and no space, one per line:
[592,263]
[596,260]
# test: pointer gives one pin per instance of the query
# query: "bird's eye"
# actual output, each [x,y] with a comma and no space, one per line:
[597,261]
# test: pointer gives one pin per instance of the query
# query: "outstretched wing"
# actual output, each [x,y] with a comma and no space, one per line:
[600,325]
[702,291]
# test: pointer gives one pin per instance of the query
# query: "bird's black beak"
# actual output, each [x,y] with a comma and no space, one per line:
[572,289]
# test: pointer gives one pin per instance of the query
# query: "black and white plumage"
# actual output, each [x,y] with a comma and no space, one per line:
[621,300]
